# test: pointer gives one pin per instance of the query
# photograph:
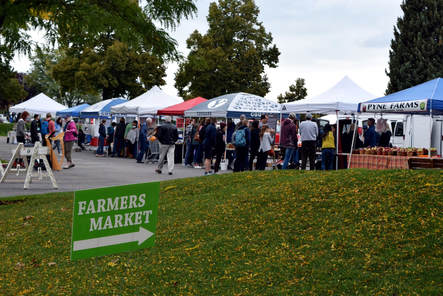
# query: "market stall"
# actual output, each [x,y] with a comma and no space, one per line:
[73,111]
[40,104]
[343,98]
[424,100]
[234,105]
[237,104]
[179,111]
[100,110]
[146,104]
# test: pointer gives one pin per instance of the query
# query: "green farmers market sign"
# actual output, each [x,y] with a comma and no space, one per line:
[113,220]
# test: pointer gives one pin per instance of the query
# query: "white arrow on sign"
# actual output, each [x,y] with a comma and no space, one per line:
[141,236]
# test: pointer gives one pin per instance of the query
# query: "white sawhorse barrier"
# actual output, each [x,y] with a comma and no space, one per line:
[36,153]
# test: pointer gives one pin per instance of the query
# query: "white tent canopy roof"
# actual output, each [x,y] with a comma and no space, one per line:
[343,97]
[148,103]
[40,104]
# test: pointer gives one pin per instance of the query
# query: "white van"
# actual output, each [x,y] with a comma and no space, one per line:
[397,123]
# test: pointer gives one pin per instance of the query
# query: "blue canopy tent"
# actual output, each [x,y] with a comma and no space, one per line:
[425,98]
[73,111]
[101,109]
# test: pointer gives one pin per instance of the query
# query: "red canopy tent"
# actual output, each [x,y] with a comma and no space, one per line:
[179,109]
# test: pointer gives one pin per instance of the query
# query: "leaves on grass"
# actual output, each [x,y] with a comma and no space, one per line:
[263,233]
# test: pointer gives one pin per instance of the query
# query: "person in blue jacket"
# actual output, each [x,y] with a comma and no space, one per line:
[370,134]
[143,139]
[101,138]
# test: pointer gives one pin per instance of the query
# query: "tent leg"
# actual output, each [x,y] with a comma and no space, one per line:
[337,140]
[226,136]
[353,142]
[184,141]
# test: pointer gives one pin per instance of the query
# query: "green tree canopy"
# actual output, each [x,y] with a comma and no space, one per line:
[11,91]
[296,92]
[40,79]
[113,72]
[231,56]
[416,53]
[78,23]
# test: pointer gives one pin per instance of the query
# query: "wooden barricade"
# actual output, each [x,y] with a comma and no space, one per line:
[36,153]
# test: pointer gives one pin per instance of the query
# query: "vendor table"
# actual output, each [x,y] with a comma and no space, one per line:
[379,162]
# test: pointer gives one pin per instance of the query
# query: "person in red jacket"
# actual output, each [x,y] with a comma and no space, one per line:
[288,139]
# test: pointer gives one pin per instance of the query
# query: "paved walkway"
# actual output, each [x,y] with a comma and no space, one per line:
[90,172]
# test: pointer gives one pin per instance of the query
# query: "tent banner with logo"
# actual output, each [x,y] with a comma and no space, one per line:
[234,105]
[425,98]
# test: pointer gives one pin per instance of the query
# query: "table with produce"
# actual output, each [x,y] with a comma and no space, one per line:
[387,158]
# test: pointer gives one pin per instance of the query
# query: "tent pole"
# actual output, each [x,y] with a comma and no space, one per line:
[337,140]
[430,116]
[353,141]
[226,135]
[184,140]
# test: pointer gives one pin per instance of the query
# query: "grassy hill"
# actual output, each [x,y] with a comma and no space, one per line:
[262,233]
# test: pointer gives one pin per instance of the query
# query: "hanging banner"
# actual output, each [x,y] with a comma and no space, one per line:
[114,219]
[406,106]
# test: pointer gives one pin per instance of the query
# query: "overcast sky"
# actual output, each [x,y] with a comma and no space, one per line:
[319,40]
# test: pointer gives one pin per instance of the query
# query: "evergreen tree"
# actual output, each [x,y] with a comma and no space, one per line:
[296,92]
[231,56]
[416,54]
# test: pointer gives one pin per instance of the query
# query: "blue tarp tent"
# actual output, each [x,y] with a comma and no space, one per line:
[101,109]
[425,98]
[73,111]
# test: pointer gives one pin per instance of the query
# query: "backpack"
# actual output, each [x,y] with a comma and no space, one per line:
[44,127]
[240,138]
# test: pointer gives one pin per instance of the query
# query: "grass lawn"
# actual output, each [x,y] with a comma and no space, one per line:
[263,233]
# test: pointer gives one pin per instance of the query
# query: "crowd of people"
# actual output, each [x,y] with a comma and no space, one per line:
[207,142]
[41,129]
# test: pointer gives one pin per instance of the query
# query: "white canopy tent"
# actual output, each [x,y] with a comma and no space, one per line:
[344,97]
[147,104]
[40,104]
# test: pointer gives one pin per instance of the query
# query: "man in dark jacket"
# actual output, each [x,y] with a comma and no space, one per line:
[35,129]
[288,139]
[220,145]
[101,138]
[241,143]
[255,143]
[119,138]
[209,143]
[167,135]
[191,129]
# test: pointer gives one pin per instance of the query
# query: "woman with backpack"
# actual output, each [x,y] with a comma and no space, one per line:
[241,143]
[69,139]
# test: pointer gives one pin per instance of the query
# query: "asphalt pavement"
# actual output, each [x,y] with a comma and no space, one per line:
[90,172]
